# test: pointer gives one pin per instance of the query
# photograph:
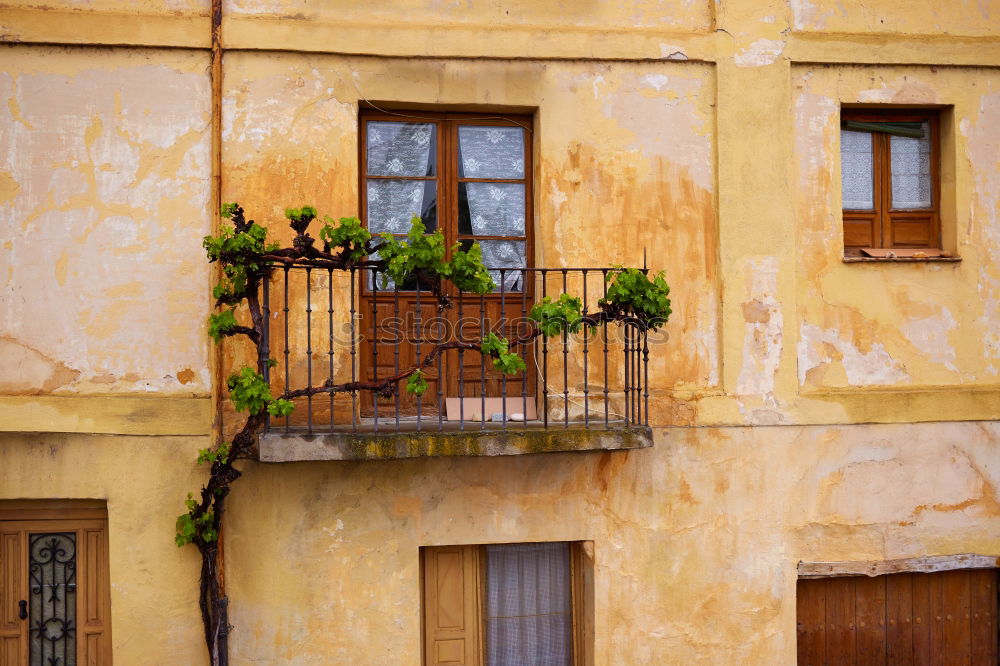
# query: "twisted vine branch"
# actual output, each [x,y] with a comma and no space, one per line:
[246,259]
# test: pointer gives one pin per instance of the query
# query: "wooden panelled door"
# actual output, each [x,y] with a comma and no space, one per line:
[929,619]
[468,176]
[54,593]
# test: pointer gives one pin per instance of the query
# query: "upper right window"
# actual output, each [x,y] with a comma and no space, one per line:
[889,162]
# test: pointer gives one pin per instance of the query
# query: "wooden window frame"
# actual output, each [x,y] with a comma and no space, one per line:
[448,178]
[474,565]
[884,220]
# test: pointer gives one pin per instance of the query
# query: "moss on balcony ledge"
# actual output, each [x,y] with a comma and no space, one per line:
[299,446]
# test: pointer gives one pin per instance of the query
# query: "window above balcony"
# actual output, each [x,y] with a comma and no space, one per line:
[468,178]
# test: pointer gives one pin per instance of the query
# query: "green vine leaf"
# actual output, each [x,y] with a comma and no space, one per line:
[347,234]
[419,252]
[632,293]
[416,384]
[467,271]
[303,215]
[248,391]
[554,317]
[503,360]
[280,407]
[221,324]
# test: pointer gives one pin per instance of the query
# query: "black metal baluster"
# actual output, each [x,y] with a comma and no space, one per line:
[354,354]
[586,372]
[604,327]
[545,361]
[395,348]
[482,363]
[461,367]
[645,369]
[626,330]
[524,348]
[287,377]
[440,367]
[419,334]
[309,358]
[374,344]
[329,302]
[265,343]
[565,352]
[505,331]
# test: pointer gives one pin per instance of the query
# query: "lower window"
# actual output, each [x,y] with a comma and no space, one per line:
[908,618]
[54,589]
[506,604]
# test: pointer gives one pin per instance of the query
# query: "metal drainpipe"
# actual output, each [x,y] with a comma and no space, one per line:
[222,642]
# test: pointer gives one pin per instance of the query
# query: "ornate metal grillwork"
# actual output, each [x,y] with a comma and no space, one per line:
[52,579]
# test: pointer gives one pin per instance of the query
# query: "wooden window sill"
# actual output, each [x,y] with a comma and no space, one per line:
[899,260]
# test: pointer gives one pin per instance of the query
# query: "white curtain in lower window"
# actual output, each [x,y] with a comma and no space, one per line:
[529,619]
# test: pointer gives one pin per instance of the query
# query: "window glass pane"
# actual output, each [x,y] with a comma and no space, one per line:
[401,149]
[911,171]
[856,170]
[503,254]
[529,616]
[392,203]
[491,152]
[491,209]
[52,599]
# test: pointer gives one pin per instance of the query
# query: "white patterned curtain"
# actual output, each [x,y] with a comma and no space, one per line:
[529,619]
[400,151]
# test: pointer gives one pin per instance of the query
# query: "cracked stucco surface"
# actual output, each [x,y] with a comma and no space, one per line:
[106,160]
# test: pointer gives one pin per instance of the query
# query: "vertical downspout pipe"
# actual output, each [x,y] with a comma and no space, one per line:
[220,613]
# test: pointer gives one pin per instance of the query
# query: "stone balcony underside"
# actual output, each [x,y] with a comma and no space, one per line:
[297,445]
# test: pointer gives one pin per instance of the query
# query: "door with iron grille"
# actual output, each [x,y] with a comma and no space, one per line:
[54,593]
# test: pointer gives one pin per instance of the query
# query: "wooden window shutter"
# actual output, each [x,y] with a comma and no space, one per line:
[13,630]
[452,626]
[94,634]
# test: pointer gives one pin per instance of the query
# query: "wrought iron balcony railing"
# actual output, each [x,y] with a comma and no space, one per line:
[347,331]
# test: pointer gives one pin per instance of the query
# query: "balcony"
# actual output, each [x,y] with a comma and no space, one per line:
[352,335]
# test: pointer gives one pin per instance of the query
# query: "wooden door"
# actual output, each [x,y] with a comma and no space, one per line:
[469,177]
[932,619]
[54,593]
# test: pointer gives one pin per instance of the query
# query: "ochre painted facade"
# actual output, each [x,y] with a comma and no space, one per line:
[804,409]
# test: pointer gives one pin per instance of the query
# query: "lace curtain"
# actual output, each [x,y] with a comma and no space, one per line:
[856,170]
[528,605]
[911,170]
[400,150]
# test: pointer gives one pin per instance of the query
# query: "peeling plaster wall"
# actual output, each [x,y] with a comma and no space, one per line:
[954,17]
[680,15]
[154,585]
[104,194]
[141,7]
[899,325]
[695,539]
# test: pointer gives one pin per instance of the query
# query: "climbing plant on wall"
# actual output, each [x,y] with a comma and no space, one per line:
[246,257]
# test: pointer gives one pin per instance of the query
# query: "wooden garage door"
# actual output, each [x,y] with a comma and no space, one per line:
[947,618]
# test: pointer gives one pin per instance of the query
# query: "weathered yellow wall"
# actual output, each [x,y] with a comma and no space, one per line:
[696,540]
[704,131]
[916,325]
[922,17]
[154,585]
[104,170]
